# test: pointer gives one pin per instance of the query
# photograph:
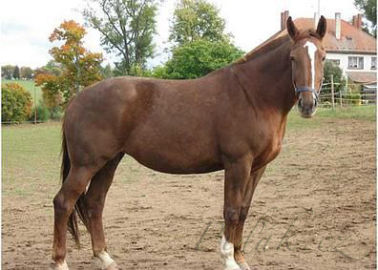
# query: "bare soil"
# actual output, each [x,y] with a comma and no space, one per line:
[315,208]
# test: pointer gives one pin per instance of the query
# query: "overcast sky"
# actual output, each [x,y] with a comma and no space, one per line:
[26,25]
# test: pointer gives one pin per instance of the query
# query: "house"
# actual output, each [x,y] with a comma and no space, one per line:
[346,44]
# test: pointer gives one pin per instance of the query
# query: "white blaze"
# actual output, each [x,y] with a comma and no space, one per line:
[227,252]
[311,50]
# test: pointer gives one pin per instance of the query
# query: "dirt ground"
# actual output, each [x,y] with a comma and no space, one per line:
[315,208]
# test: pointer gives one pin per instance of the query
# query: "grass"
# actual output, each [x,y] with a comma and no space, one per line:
[31,160]
[364,113]
[30,87]
[354,112]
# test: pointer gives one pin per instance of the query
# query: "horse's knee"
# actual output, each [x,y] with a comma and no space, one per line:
[232,215]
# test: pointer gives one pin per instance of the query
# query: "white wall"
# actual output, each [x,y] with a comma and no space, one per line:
[343,57]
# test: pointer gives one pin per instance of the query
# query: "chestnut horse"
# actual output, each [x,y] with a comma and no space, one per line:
[232,119]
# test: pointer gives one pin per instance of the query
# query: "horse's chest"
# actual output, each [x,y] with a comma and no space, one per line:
[269,147]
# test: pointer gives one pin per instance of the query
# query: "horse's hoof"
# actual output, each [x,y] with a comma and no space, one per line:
[59,266]
[112,266]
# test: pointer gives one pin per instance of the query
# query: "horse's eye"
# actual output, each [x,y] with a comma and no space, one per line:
[292,58]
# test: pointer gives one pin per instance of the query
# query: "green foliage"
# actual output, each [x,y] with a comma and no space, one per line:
[352,98]
[369,9]
[42,114]
[197,19]
[197,58]
[26,73]
[7,72]
[16,72]
[107,71]
[126,28]
[29,85]
[160,72]
[16,103]
[52,67]
[332,69]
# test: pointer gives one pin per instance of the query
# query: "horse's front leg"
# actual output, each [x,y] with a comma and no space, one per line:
[246,202]
[237,176]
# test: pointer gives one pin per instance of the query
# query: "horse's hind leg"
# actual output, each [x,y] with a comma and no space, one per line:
[94,201]
[64,202]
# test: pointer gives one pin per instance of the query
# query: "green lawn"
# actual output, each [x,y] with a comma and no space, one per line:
[35,91]
[365,113]
[30,158]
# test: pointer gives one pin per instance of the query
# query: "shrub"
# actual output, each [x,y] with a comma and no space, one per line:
[332,69]
[56,113]
[352,98]
[16,103]
[43,113]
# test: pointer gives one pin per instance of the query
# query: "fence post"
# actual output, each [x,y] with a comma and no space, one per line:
[341,97]
[35,106]
[332,93]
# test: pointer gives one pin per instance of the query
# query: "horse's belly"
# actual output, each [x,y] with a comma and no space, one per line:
[169,155]
[167,166]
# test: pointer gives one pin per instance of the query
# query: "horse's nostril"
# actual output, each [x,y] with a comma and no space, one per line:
[300,102]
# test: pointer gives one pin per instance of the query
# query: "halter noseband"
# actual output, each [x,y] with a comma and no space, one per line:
[301,89]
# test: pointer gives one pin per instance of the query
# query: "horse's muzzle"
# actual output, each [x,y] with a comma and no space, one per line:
[307,101]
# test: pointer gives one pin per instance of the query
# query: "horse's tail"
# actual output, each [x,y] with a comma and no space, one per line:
[80,205]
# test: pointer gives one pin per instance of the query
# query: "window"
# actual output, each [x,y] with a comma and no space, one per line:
[355,62]
[374,63]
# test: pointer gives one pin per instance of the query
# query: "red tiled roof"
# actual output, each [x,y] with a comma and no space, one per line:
[362,77]
[352,39]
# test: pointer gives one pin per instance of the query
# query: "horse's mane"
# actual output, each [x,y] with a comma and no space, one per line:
[273,43]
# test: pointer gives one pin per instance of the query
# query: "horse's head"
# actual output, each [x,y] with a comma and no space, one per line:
[307,57]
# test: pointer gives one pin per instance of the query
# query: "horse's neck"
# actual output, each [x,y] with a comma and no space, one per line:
[267,78]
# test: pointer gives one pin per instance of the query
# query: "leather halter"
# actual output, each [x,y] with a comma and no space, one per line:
[307,89]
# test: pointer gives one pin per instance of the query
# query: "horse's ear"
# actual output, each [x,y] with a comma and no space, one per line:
[291,29]
[322,27]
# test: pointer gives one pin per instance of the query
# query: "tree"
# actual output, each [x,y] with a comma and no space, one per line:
[197,19]
[127,28]
[16,103]
[7,72]
[16,72]
[198,58]
[79,67]
[107,71]
[369,8]
[332,69]
[52,68]
[26,73]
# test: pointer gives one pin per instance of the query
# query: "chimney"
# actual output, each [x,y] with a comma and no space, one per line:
[338,25]
[284,17]
[357,21]
[316,20]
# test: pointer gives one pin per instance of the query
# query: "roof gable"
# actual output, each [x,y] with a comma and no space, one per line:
[352,39]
